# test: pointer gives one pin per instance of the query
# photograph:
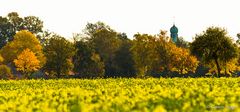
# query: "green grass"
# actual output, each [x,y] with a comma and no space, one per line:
[177,94]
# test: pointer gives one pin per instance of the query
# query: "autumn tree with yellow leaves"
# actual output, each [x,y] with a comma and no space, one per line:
[156,54]
[171,58]
[144,53]
[13,51]
[184,62]
[22,40]
[228,68]
[27,62]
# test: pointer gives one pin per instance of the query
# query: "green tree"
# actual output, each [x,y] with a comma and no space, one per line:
[87,63]
[105,42]
[123,37]
[238,40]
[182,43]
[6,31]
[13,23]
[33,24]
[214,46]
[16,21]
[59,53]
[92,28]
[123,59]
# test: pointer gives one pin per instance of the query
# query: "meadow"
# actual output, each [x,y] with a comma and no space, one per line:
[121,94]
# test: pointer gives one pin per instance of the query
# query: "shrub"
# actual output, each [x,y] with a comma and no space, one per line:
[5,72]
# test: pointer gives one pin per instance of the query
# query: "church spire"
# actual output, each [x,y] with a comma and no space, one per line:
[173,20]
[174,31]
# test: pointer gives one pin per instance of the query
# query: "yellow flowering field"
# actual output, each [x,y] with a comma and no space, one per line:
[121,94]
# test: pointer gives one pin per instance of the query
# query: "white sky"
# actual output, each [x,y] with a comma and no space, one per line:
[131,16]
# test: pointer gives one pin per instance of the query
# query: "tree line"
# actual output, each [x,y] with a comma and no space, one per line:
[99,52]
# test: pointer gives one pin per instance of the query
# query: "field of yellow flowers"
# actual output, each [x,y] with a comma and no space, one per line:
[121,94]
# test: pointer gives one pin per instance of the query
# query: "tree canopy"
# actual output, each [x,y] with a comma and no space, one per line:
[87,63]
[22,40]
[106,42]
[214,46]
[59,53]
[27,62]
[13,23]
[100,51]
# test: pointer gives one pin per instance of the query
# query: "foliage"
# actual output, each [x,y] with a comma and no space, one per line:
[164,52]
[238,35]
[102,51]
[86,62]
[6,33]
[59,53]
[26,62]
[229,68]
[158,54]
[143,51]
[182,43]
[1,59]
[13,23]
[105,41]
[121,95]
[113,48]
[184,62]
[92,28]
[5,72]
[16,21]
[213,45]
[123,37]
[123,59]
[171,58]
[33,24]
[22,40]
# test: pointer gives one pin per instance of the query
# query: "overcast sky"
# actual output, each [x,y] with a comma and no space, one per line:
[130,16]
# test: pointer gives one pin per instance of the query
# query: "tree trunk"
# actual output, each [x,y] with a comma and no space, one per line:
[58,70]
[181,71]
[218,67]
[58,74]
[225,71]
[167,72]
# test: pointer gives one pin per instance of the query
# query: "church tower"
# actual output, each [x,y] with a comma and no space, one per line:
[174,33]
